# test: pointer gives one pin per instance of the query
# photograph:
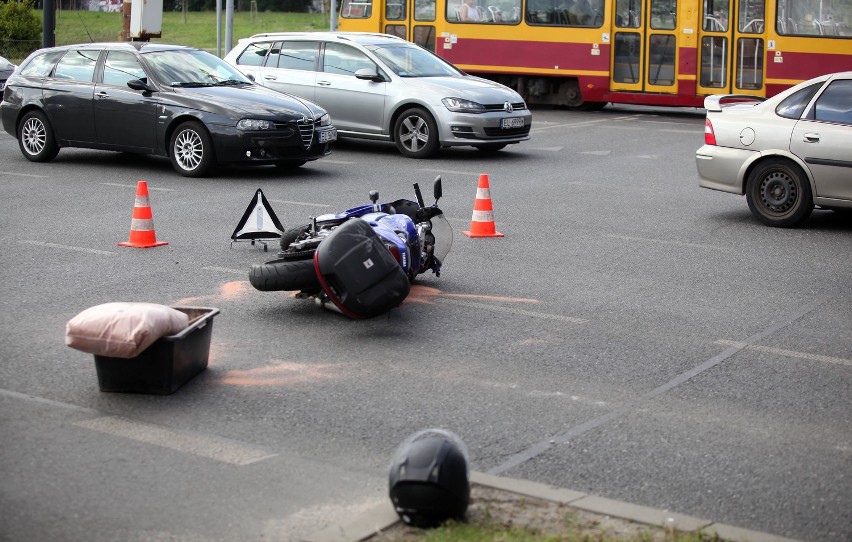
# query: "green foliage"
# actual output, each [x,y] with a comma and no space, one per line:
[18,22]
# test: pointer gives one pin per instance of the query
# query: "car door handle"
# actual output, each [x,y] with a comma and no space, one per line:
[811,137]
[270,77]
[324,83]
[102,95]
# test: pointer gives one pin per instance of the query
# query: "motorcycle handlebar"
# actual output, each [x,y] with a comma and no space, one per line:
[419,196]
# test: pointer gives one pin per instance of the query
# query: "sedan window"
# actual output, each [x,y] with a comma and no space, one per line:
[794,105]
[77,65]
[835,103]
[121,67]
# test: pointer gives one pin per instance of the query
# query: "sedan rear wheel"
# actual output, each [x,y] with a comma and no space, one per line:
[416,133]
[779,194]
[35,137]
[191,150]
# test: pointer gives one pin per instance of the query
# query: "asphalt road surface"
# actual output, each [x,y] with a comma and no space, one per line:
[632,336]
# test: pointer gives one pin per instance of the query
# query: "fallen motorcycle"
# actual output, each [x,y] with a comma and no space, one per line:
[360,262]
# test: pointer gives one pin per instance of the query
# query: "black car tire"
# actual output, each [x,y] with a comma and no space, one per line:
[287,165]
[280,275]
[491,147]
[191,150]
[416,133]
[35,137]
[779,193]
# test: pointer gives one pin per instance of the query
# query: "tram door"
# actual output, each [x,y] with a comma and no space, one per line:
[413,20]
[732,47]
[644,52]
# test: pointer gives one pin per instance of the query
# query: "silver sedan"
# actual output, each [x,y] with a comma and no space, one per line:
[786,154]
[381,87]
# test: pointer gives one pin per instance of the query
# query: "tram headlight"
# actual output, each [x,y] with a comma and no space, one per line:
[460,105]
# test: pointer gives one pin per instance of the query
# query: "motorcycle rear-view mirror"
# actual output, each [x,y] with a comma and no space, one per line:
[437,189]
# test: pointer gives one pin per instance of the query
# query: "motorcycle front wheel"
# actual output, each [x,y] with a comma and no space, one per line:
[286,275]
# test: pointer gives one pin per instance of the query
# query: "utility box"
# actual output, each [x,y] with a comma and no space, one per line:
[146,19]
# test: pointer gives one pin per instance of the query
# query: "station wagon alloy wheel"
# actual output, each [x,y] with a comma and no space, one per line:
[416,134]
[191,150]
[36,139]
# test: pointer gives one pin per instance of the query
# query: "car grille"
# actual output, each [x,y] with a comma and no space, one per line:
[499,132]
[306,128]
[500,107]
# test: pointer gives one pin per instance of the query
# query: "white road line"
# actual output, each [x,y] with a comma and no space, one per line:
[299,203]
[341,162]
[14,174]
[667,242]
[219,449]
[150,188]
[66,247]
[451,171]
[225,270]
[510,310]
[788,353]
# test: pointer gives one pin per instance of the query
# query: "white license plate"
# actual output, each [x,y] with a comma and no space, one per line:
[327,135]
[516,122]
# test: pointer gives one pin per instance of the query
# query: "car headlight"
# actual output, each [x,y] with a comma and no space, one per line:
[254,124]
[324,120]
[459,105]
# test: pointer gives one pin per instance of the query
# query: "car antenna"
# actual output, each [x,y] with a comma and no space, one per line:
[84,27]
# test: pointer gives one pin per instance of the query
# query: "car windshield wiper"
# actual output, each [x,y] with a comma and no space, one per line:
[189,84]
[230,82]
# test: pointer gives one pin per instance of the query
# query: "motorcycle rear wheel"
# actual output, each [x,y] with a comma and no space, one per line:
[285,275]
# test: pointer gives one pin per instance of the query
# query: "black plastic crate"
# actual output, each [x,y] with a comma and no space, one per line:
[167,364]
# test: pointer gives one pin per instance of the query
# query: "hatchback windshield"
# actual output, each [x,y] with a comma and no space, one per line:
[191,68]
[408,61]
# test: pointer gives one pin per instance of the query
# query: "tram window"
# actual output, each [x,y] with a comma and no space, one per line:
[397,30]
[829,18]
[663,14]
[835,103]
[395,10]
[716,15]
[584,13]
[254,54]
[628,13]
[627,48]
[749,63]
[424,36]
[714,61]
[486,11]
[661,60]
[424,10]
[356,9]
[794,105]
[751,16]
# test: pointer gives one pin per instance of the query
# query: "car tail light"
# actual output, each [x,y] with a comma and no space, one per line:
[709,136]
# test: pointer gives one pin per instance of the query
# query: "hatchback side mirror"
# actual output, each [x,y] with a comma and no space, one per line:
[369,75]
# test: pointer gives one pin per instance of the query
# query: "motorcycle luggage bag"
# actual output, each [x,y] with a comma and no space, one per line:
[358,272]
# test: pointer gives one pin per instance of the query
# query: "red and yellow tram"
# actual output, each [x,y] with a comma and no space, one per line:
[653,52]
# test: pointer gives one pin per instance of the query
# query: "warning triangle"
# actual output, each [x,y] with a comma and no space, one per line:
[259,221]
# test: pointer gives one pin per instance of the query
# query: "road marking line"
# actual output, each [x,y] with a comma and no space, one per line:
[150,188]
[219,449]
[450,171]
[788,353]
[510,310]
[672,130]
[342,162]
[299,203]
[667,242]
[565,435]
[14,174]
[226,270]
[66,247]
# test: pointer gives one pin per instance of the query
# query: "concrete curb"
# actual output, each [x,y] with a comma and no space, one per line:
[383,516]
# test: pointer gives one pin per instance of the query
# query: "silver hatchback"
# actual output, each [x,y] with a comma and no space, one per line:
[381,87]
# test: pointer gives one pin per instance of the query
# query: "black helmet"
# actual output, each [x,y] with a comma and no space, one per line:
[430,478]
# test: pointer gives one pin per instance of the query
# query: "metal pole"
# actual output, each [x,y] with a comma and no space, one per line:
[48,35]
[219,28]
[332,15]
[229,25]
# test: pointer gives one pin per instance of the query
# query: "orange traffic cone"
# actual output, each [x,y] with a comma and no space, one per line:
[142,233]
[482,223]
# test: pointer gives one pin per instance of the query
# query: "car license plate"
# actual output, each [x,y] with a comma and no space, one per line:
[327,135]
[515,122]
